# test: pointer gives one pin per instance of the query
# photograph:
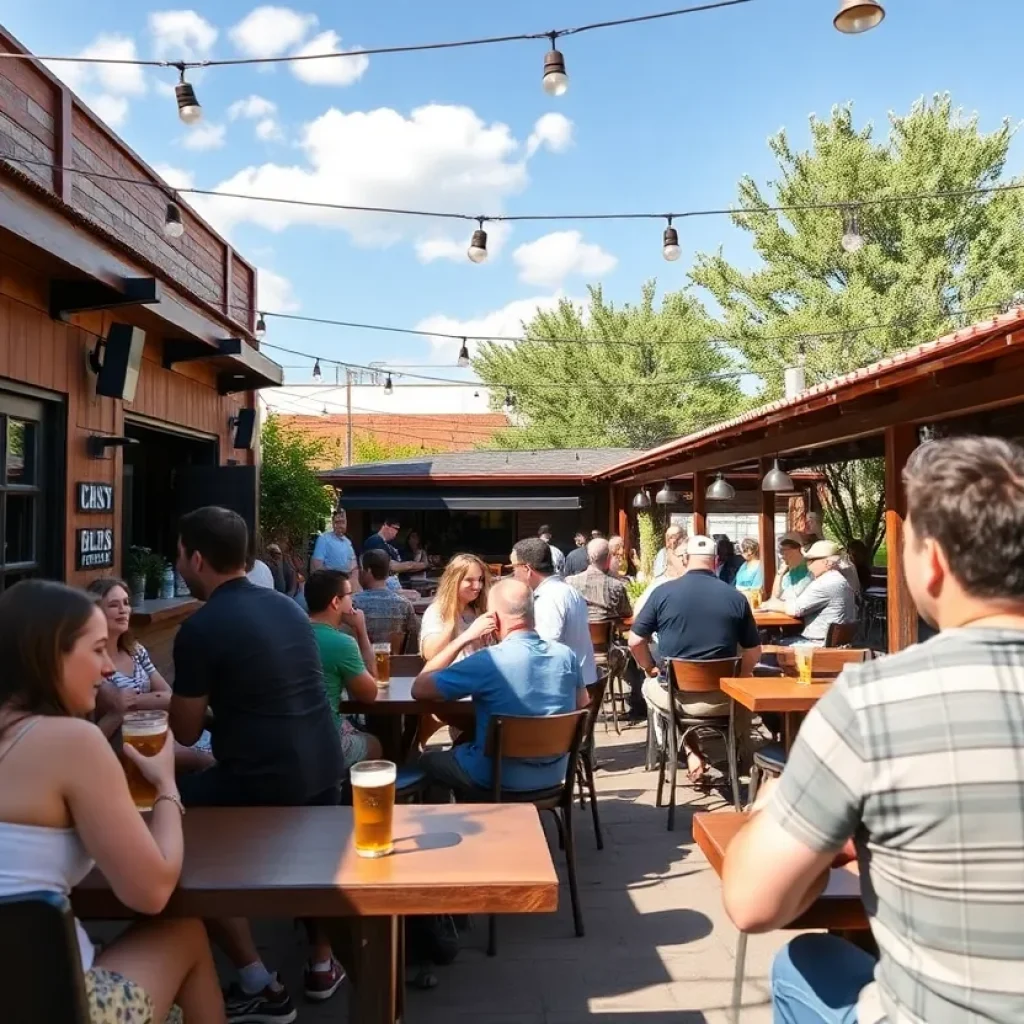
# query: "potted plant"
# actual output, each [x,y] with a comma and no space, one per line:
[135,561]
[155,564]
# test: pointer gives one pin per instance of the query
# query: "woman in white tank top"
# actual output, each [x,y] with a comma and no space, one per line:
[64,805]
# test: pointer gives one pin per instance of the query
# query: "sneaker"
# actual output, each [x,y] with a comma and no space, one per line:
[266,1007]
[321,985]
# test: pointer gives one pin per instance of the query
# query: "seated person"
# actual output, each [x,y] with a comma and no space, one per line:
[329,595]
[606,595]
[828,599]
[750,575]
[387,613]
[520,675]
[795,575]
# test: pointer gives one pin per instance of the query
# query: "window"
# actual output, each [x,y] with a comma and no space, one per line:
[21,496]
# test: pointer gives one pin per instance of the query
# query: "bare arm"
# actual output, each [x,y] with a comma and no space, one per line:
[640,648]
[187,717]
[399,567]
[362,687]
[483,625]
[424,686]
[315,564]
[159,696]
[749,657]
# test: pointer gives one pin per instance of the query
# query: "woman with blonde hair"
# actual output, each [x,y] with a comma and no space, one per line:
[457,622]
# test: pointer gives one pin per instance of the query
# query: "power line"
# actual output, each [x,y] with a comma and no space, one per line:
[551,35]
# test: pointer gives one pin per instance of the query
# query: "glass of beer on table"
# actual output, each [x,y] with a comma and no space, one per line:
[804,656]
[382,658]
[146,731]
[373,805]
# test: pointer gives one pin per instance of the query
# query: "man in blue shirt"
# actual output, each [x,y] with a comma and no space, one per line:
[333,550]
[521,675]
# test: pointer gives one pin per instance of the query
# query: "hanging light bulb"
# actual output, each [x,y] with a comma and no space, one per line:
[317,374]
[388,387]
[189,109]
[463,360]
[852,240]
[261,327]
[510,402]
[641,500]
[720,490]
[325,412]
[670,248]
[477,251]
[776,480]
[667,496]
[174,226]
[856,16]
[555,81]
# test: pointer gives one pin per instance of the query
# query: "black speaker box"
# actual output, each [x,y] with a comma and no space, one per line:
[122,359]
[245,428]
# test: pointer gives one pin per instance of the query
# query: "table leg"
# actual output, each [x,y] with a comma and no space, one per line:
[378,991]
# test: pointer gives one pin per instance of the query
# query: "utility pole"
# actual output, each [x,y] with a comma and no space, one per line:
[348,417]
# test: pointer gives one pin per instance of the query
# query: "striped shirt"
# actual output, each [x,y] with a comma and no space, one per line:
[387,613]
[606,597]
[827,600]
[920,757]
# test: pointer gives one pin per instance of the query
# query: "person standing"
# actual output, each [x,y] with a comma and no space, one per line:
[249,656]
[672,537]
[913,764]
[606,597]
[619,563]
[383,540]
[557,558]
[333,550]
[576,560]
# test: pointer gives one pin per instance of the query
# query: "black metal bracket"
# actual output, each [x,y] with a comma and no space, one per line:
[184,350]
[96,445]
[234,383]
[79,296]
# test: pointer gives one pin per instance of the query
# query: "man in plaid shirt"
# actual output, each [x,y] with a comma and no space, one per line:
[919,759]
[606,596]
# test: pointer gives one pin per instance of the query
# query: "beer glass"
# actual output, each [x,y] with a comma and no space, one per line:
[146,731]
[373,804]
[382,657]
[804,660]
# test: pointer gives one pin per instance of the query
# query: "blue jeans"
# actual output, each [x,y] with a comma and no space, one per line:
[816,980]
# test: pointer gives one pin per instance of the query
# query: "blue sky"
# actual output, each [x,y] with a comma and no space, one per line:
[659,116]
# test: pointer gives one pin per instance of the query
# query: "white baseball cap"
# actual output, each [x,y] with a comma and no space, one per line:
[699,545]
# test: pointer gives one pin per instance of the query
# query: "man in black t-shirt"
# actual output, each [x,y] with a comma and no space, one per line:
[699,618]
[249,656]
[383,540]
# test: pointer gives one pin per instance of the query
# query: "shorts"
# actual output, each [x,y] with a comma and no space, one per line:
[113,999]
[355,745]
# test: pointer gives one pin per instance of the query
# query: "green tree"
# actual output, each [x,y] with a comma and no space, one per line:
[293,502]
[925,265]
[368,447]
[639,375]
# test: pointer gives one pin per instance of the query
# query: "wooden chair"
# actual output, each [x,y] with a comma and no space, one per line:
[37,934]
[826,662]
[585,762]
[398,641]
[608,660]
[549,736]
[841,634]
[692,678]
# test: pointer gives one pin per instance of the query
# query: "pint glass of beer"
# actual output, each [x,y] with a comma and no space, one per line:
[382,657]
[146,731]
[373,804]
[804,664]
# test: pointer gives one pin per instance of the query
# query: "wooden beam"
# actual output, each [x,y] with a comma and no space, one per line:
[900,441]
[622,524]
[766,530]
[79,296]
[700,517]
[614,498]
[184,350]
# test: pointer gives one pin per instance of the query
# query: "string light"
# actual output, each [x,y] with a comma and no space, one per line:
[325,412]
[463,361]
[852,240]
[477,251]
[388,386]
[555,80]
[174,226]
[189,109]
[261,328]
[856,16]
[316,370]
[670,244]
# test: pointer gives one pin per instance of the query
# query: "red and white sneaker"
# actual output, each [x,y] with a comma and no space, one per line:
[322,984]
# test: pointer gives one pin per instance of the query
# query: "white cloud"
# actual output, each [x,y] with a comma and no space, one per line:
[112,110]
[105,87]
[439,157]
[506,322]
[330,71]
[252,107]
[553,131]
[275,292]
[204,136]
[271,31]
[267,129]
[453,247]
[176,177]
[552,258]
[183,35]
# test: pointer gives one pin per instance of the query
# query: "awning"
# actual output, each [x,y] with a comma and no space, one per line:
[425,501]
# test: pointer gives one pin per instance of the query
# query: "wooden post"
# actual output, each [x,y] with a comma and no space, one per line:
[700,518]
[622,521]
[900,441]
[614,500]
[766,527]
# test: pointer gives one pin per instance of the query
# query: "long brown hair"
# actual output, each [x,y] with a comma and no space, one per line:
[455,572]
[103,586]
[40,621]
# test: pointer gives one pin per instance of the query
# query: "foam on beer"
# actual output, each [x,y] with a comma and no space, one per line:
[373,778]
[140,726]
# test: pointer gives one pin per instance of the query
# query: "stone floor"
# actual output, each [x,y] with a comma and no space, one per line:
[658,948]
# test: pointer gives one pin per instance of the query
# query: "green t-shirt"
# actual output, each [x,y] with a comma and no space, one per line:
[341,660]
[795,576]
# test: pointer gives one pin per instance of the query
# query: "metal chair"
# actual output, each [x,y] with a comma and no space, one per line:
[607,659]
[696,677]
[549,736]
[585,762]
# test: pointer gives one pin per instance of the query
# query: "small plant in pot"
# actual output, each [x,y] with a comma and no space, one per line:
[155,565]
[135,571]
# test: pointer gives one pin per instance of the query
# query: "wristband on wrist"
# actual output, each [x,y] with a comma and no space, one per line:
[171,798]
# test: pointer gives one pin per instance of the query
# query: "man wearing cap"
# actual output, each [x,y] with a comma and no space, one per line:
[829,598]
[697,618]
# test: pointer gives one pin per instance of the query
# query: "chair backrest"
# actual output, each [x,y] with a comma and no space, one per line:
[547,736]
[37,935]
[398,643]
[841,634]
[702,676]
[406,664]
[495,569]
[596,692]
[826,662]
[600,635]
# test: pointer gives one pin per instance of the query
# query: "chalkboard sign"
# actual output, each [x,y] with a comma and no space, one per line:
[94,549]
[95,497]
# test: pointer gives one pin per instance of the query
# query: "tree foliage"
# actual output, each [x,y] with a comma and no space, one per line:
[368,447]
[654,377]
[293,502]
[857,493]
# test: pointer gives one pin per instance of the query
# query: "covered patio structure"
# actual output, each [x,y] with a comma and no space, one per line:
[968,382]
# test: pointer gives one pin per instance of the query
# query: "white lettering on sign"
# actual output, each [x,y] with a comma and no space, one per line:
[95,548]
[95,497]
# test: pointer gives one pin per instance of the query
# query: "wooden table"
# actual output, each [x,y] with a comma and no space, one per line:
[838,908]
[776,693]
[775,620]
[300,862]
[397,699]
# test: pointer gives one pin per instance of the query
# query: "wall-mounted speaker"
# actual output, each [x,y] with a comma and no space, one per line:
[118,376]
[245,428]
